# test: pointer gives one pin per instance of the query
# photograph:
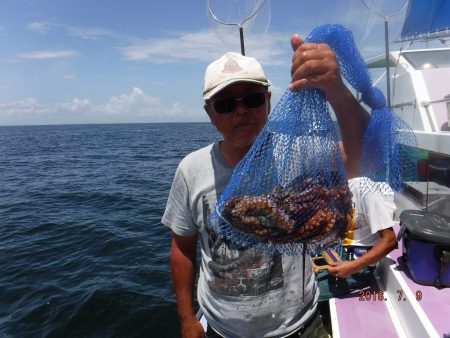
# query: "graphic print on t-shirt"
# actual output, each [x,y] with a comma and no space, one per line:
[238,271]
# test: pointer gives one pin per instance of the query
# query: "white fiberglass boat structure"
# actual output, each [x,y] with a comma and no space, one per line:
[419,92]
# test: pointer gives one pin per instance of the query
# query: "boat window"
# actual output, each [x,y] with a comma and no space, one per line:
[428,58]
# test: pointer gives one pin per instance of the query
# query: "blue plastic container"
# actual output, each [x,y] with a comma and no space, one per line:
[426,246]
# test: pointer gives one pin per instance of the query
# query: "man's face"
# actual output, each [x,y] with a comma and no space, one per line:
[242,124]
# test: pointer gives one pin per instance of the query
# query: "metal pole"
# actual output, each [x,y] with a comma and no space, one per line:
[241,34]
[428,180]
[388,76]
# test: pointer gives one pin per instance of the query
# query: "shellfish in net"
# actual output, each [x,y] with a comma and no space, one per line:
[307,211]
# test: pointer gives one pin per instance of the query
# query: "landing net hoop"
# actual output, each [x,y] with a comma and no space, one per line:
[235,13]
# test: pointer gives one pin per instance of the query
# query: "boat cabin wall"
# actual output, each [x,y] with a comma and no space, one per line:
[405,104]
[413,94]
[438,84]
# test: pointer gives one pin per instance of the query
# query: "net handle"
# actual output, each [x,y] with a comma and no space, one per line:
[241,24]
[370,8]
[252,15]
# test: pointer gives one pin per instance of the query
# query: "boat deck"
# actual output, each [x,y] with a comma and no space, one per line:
[362,314]
[395,306]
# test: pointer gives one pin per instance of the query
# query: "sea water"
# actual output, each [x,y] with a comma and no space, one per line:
[82,249]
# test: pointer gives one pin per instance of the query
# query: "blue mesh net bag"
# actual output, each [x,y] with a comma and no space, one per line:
[290,191]
[390,152]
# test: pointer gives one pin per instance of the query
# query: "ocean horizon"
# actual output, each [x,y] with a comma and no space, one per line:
[99,123]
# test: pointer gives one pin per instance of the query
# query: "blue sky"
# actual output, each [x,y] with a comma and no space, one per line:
[111,61]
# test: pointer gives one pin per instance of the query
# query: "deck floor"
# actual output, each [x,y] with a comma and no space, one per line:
[363,314]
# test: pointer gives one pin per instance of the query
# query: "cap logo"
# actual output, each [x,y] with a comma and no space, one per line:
[231,66]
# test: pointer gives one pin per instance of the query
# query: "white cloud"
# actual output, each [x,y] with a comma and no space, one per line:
[206,45]
[68,76]
[133,107]
[22,107]
[48,54]
[124,103]
[39,27]
[76,105]
[92,33]
[140,104]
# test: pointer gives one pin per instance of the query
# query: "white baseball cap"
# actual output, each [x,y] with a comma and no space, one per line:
[229,69]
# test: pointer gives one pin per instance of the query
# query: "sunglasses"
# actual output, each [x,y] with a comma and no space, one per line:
[226,106]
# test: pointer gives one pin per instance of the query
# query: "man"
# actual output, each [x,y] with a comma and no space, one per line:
[371,235]
[242,292]
[369,239]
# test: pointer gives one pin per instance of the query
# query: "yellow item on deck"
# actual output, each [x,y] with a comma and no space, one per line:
[328,256]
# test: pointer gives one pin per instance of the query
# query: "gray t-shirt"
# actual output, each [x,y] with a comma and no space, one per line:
[242,292]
